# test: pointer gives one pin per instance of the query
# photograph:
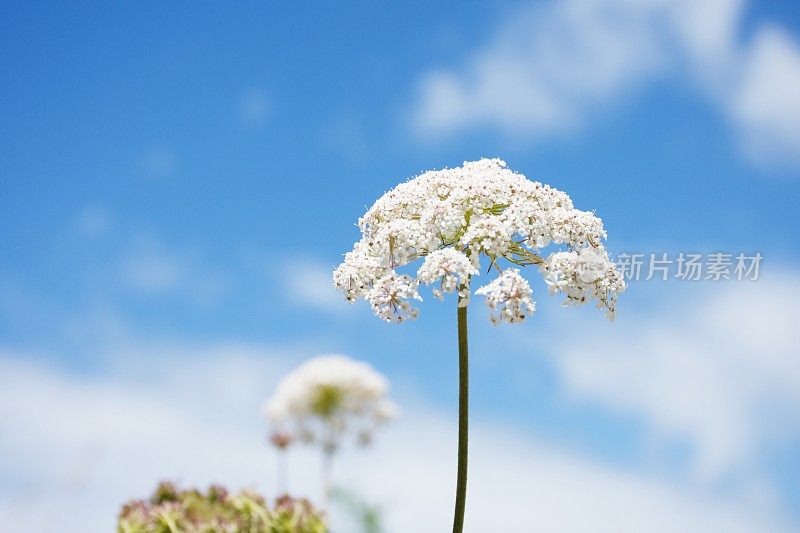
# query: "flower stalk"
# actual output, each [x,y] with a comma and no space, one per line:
[463,420]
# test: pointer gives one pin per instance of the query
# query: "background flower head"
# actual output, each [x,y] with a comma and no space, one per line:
[329,397]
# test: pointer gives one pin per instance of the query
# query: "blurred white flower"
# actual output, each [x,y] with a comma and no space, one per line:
[453,218]
[328,398]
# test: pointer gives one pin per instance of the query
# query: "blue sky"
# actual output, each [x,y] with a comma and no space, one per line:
[182,179]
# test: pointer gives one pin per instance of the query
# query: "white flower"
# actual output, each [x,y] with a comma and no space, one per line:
[449,266]
[577,228]
[455,217]
[509,297]
[389,297]
[487,233]
[584,274]
[330,396]
[357,273]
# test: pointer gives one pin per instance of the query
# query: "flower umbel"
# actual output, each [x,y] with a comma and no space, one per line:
[454,218]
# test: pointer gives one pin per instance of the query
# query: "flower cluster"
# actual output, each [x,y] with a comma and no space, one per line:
[451,268]
[330,396]
[509,297]
[192,511]
[584,275]
[389,297]
[455,217]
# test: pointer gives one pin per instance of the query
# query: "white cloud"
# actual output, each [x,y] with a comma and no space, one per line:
[766,103]
[719,373]
[552,66]
[544,71]
[705,32]
[74,446]
[77,446]
[307,283]
[155,267]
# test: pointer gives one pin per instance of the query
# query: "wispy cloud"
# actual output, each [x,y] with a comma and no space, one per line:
[121,418]
[765,104]
[152,266]
[551,66]
[720,375]
[191,412]
[306,282]
[543,72]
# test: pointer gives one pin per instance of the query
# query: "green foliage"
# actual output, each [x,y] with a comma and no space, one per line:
[172,511]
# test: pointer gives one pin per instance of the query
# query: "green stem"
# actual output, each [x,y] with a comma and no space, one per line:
[327,463]
[463,420]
